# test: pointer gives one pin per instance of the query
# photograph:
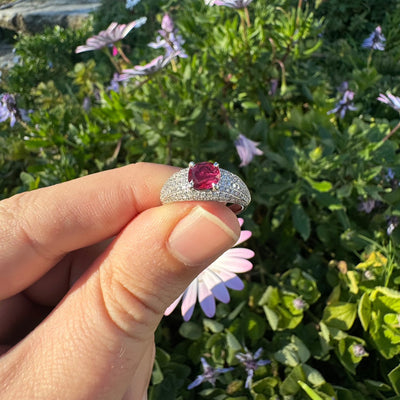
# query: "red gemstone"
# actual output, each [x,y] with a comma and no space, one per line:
[203,175]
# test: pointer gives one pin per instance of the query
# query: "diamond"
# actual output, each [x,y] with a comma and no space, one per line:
[204,176]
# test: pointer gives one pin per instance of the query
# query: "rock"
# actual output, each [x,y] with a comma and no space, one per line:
[7,56]
[33,16]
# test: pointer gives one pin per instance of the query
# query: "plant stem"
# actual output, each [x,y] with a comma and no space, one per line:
[123,55]
[391,132]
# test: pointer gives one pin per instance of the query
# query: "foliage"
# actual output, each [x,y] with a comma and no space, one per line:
[326,201]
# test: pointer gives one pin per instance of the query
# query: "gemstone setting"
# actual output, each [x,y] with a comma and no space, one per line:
[204,176]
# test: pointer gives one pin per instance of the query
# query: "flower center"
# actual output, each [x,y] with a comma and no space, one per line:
[204,176]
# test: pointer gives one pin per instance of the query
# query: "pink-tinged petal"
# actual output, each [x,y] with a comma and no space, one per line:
[244,235]
[167,23]
[126,29]
[233,264]
[240,252]
[111,27]
[217,287]
[172,307]
[241,221]
[206,300]
[81,49]
[189,300]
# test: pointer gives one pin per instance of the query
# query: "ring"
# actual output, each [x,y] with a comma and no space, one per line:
[206,181]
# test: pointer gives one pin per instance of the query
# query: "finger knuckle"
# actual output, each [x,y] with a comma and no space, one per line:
[131,312]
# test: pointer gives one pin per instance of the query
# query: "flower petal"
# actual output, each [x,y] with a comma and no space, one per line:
[244,235]
[173,305]
[232,281]
[217,286]
[206,299]
[189,300]
[240,252]
[233,264]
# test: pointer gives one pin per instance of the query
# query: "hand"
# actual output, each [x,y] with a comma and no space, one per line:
[87,268]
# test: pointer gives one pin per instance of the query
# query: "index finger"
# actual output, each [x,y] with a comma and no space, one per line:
[38,228]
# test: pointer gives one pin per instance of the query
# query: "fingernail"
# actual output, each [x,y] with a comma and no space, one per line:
[200,237]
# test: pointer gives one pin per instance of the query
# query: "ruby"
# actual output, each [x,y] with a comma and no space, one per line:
[204,175]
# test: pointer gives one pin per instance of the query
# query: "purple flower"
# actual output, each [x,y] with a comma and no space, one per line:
[214,281]
[229,3]
[359,351]
[246,149]
[344,105]
[210,374]
[9,109]
[367,205]
[251,362]
[299,304]
[392,222]
[167,24]
[390,100]
[376,40]
[114,83]
[131,3]
[148,69]
[114,33]
[169,39]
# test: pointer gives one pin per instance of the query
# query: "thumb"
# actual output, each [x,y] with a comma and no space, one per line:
[100,337]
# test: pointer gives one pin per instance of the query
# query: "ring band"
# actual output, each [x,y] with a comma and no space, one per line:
[206,182]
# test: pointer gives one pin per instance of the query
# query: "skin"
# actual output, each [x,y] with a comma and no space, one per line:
[87,268]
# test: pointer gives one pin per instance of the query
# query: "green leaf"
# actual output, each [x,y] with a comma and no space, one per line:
[190,330]
[311,393]
[364,311]
[157,376]
[321,186]
[301,221]
[249,105]
[256,326]
[212,325]
[272,317]
[313,376]
[290,385]
[232,342]
[340,315]
[293,353]
[394,378]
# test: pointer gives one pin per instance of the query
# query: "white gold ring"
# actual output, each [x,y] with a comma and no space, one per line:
[206,181]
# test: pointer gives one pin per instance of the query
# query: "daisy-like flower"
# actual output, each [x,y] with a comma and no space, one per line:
[246,149]
[376,40]
[214,281]
[229,3]
[114,33]
[148,69]
[210,374]
[169,39]
[9,109]
[345,104]
[390,100]
[251,362]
